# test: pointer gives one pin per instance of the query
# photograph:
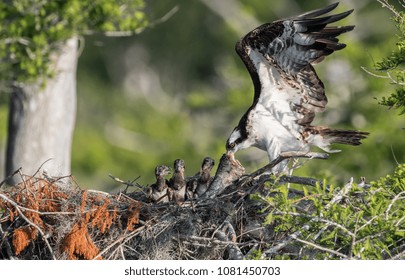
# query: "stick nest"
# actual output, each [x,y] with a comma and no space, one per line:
[43,218]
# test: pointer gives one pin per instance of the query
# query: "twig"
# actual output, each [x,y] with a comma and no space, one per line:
[23,181]
[36,172]
[398,256]
[397,197]
[21,40]
[10,176]
[129,248]
[166,17]
[249,231]
[300,180]
[320,247]
[399,221]
[315,219]
[287,155]
[385,4]
[319,233]
[387,76]
[371,237]
[373,74]
[123,239]
[128,183]
[121,194]
[209,240]
[305,227]
[286,241]
[15,204]
[366,224]
[99,192]
[339,196]
[120,250]
[283,179]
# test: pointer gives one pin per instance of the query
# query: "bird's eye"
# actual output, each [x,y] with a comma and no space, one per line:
[232,145]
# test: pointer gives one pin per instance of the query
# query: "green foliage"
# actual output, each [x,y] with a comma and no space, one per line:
[393,64]
[356,221]
[396,99]
[32,30]
[255,255]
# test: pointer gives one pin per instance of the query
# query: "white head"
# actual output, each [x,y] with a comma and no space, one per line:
[238,140]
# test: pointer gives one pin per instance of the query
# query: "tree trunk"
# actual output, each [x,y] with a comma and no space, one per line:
[42,119]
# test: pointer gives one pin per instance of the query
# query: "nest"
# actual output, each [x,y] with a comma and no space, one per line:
[43,218]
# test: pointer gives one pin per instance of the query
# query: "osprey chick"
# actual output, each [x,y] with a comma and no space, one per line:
[177,183]
[159,191]
[205,176]
[200,182]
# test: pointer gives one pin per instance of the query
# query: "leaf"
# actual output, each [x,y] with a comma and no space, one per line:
[269,219]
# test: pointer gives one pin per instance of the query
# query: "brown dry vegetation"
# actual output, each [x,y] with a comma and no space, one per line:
[47,219]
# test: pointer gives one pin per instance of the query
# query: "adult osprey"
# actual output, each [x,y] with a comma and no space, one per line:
[287,91]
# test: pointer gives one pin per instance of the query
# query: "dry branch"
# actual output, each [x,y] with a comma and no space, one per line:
[285,156]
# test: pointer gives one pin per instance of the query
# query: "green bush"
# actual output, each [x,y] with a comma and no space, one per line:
[392,65]
[356,221]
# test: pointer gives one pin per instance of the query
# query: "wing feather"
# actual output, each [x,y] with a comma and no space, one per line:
[291,46]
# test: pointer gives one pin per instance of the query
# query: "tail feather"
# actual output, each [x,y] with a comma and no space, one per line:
[323,137]
[340,136]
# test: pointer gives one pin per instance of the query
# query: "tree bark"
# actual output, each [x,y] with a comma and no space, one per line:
[42,119]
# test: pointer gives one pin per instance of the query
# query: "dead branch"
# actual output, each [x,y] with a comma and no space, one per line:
[316,246]
[285,242]
[9,177]
[287,155]
[395,199]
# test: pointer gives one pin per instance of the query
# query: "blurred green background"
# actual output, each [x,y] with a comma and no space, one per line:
[178,89]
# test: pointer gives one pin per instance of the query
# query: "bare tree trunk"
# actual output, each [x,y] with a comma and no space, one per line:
[42,119]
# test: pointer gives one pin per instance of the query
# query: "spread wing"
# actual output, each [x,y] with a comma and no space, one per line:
[279,57]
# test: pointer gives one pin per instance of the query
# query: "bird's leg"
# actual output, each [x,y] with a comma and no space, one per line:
[294,165]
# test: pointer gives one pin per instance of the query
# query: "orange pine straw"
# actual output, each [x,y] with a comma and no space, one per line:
[78,243]
[22,237]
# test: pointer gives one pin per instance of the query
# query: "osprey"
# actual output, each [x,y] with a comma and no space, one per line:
[177,183]
[287,91]
[159,191]
[200,182]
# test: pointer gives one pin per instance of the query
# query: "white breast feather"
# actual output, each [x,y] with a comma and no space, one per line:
[272,119]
